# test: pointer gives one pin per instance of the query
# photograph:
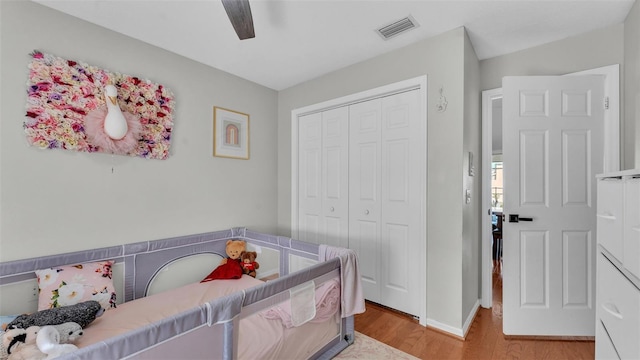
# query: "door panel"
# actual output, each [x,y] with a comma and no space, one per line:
[366,244]
[534,269]
[398,172]
[323,183]
[534,167]
[400,202]
[399,274]
[553,131]
[578,265]
[364,193]
[310,178]
[576,168]
[335,181]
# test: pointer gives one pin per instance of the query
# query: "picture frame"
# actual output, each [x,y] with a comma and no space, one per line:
[230,133]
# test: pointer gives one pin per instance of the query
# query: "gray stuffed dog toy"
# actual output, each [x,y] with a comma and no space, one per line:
[82,313]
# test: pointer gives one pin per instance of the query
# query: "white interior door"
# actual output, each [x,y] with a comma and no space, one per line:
[553,148]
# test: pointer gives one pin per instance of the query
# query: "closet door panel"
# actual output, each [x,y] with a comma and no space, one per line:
[366,245]
[364,193]
[335,172]
[310,178]
[400,198]
[399,272]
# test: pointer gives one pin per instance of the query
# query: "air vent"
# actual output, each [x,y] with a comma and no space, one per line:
[397,27]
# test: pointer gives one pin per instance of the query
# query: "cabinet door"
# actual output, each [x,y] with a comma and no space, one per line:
[323,177]
[631,246]
[609,216]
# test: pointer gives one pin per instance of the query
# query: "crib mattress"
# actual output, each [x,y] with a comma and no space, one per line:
[258,338]
[133,315]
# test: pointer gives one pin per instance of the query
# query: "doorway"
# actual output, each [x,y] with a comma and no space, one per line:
[497,205]
[492,144]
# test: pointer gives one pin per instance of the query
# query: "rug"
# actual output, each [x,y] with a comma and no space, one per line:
[365,347]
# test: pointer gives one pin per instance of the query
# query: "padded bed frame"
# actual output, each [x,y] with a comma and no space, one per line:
[210,330]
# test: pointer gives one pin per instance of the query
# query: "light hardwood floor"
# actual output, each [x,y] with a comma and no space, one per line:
[484,340]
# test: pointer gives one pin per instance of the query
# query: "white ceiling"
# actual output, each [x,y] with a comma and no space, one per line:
[299,40]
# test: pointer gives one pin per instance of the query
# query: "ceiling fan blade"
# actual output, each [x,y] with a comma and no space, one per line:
[239,13]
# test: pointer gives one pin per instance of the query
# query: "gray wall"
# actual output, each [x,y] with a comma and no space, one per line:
[442,59]
[471,231]
[631,88]
[587,51]
[55,201]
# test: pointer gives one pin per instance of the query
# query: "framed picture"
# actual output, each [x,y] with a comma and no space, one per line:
[230,133]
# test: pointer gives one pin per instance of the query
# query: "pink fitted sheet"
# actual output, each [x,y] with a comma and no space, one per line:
[259,338]
[135,314]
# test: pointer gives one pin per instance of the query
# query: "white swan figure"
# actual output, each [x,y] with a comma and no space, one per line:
[115,125]
[48,342]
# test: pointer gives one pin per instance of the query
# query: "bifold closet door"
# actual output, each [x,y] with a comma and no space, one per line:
[385,197]
[365,121]
[323,177]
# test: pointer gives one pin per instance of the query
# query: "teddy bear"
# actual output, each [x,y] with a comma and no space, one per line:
[229,267]
[249,263]
[82,313]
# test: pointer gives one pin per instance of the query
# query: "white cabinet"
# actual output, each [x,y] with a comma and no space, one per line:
[361,185]
[618,280]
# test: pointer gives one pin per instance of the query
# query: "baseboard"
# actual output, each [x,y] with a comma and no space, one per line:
[471,317]
[446,329]
[459,333]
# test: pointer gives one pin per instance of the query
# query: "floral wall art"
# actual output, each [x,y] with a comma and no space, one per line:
[75,106]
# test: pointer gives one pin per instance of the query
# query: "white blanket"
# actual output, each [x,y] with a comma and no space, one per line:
[350,283]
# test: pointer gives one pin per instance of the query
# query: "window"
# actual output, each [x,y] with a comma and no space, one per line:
[496,186]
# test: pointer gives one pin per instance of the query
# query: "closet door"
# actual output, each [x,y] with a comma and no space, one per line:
[364,193]
[385,197]
[401,194]
[322,179]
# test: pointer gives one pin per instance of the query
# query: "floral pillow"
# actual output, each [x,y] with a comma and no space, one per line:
[72,284]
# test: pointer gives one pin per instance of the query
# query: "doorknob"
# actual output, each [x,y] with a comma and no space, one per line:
[514,218]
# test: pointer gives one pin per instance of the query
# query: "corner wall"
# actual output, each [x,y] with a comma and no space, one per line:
[55,201]
[472,212]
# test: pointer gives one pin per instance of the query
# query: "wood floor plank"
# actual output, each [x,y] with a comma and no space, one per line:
[484,340]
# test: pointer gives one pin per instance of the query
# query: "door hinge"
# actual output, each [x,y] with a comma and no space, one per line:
[606,103]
